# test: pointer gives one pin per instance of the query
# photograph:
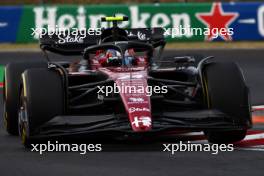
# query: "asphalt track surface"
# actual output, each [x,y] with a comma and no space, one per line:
[141,158]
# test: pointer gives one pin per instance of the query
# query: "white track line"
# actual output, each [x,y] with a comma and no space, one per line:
[258,108]
[250,149]
[254,136]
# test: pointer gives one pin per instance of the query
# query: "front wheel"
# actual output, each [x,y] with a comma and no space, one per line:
[225,90]
[41,99]
[224,137]
[12,83]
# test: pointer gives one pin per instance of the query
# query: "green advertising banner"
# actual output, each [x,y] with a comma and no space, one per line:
[2,72]
[243,21]
[163,15]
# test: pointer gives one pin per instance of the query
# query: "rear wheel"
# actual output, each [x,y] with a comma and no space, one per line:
[42,98]
[12,82]
[226,91]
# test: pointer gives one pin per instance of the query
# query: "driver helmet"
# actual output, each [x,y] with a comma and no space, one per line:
[129,57]
[113,57]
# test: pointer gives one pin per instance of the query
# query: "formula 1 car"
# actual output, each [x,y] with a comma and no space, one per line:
[122,86]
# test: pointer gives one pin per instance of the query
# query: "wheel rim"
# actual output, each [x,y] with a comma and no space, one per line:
[5,121]
[4,103]
[23,135]
[22,119]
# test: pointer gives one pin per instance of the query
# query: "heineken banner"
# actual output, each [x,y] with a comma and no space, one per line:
[181,21]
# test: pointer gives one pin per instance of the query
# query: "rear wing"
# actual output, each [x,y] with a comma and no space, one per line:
[75,44]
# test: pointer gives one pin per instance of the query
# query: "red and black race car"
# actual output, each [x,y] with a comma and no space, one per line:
[122,86]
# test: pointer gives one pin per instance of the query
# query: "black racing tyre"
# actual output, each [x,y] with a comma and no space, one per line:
[42,98]
[224,137]
[226,90]
[12,81]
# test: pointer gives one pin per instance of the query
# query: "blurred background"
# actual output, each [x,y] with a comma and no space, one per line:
[244,17]
[39,2]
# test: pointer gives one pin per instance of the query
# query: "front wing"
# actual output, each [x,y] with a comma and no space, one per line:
[112,124]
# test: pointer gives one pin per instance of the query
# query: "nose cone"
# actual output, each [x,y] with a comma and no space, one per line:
[139,113]
[137,104]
